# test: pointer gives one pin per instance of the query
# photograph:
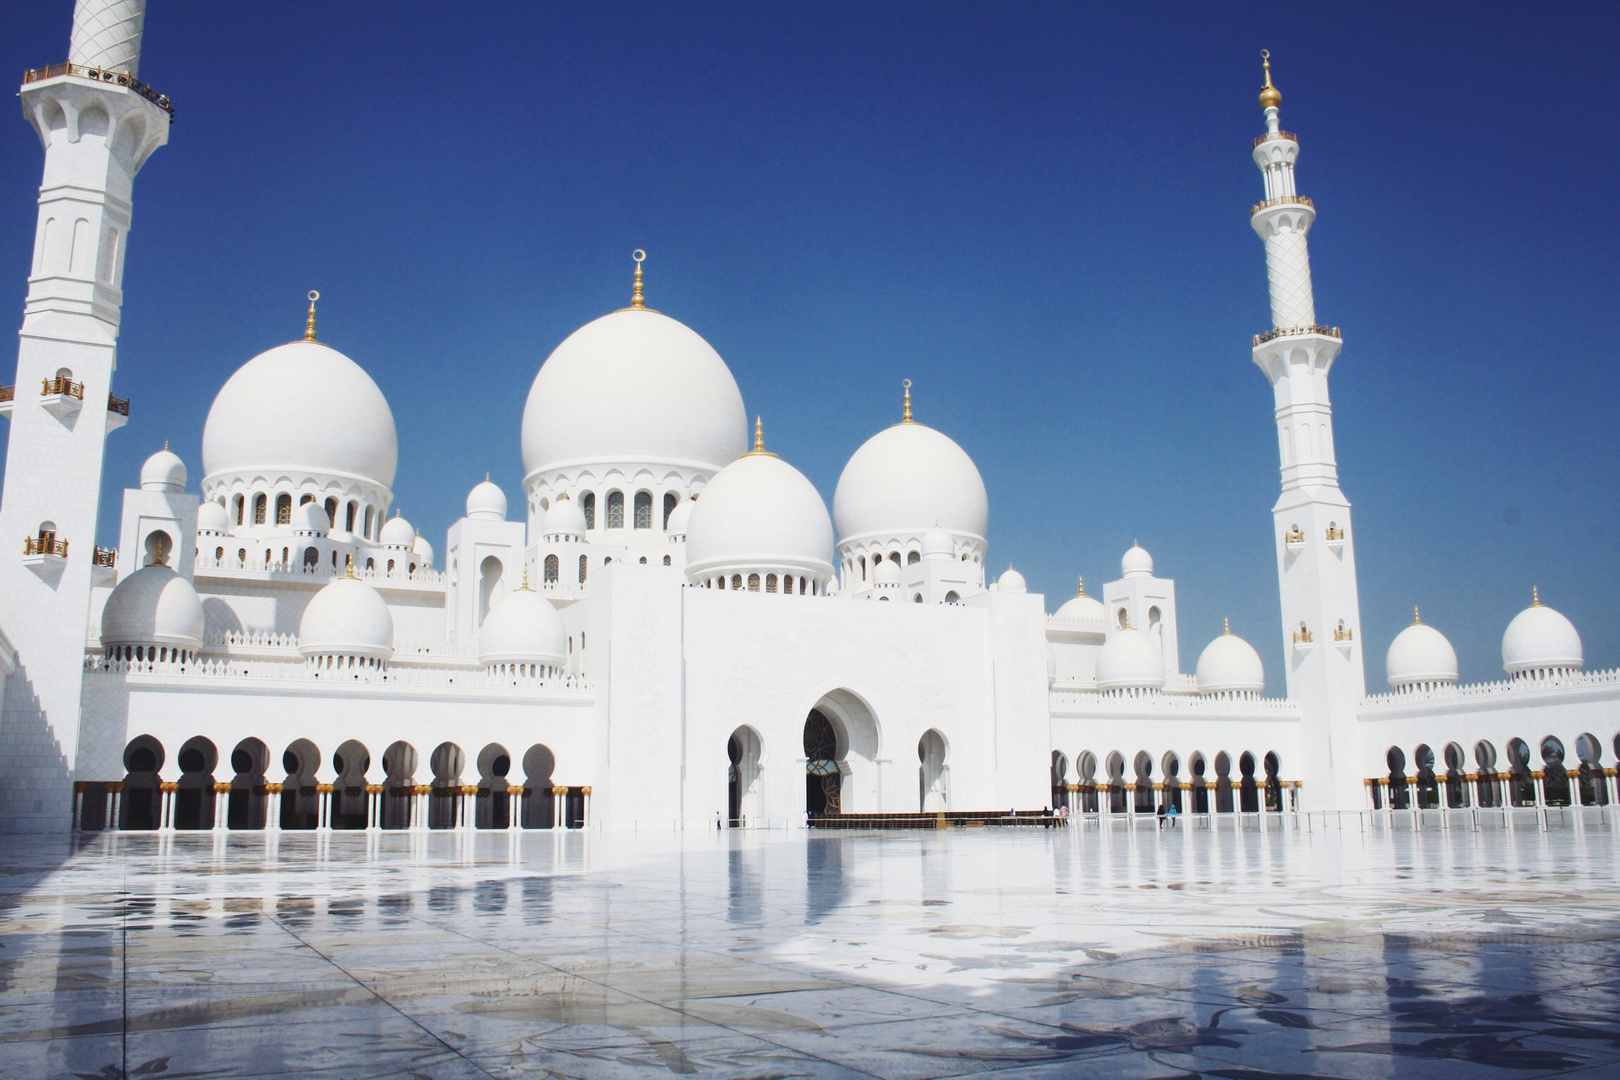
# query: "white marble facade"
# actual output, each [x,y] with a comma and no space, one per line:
[675,631]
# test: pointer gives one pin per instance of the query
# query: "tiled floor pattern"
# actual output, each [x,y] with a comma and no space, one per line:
[1030,953]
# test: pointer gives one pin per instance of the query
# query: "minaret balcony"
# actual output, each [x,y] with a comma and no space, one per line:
[117,412]
[61,396]
[1295,331]
[8,399]
[1274,136]
[101,75]
[1281,200]
[44,554]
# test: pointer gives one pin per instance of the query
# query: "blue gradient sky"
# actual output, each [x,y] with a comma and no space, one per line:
[1038,213]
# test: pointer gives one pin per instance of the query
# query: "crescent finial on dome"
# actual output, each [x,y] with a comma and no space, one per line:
[309,323]
[1270,96]
[905,416]
[1417,619]
[350,574]
[1079,584]
[638,300]
[759,441]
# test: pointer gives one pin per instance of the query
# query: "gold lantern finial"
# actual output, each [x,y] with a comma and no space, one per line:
[759,440]
[1417,620]
[525,586]
[351,566]
[1535,596]
[1079,584]
[905,417]
[638,300]
[309,323]
[1270,96]
[1226,626]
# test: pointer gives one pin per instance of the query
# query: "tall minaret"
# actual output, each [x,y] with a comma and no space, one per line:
[98,124]
[1316,557]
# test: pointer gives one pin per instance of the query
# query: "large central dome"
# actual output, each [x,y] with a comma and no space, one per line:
[633,387]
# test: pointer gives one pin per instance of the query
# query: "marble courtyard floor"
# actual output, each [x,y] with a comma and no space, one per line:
[1112,951]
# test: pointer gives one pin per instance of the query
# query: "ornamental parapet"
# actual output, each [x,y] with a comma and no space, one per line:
[291,670]
[1295,331]
[45,545]
[296,569]
[61,385]
[105,557]
[1276,136]
[1281,200]
[1145,702]
[119,405]
[102,75]
[1504,688]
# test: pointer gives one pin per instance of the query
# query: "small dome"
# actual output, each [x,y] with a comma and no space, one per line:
[1420,654]
[564,518]
[269,416]
[153,606]
[397,532]
[1230,665]
[886,572]
[1130,660]
[1540,639]
[1011,581]
[759,511]
[523,629]
[423,552]
[1137,562]
[347,618]
[310,517]
[212,517]
[937,544]
[486,501]
[907,478]
[633,387]
[163,471]
[679,517]
[1083,608]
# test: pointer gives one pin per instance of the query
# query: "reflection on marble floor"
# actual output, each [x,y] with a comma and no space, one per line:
[1046,953]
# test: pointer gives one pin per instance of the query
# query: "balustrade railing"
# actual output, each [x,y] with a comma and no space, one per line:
[1276,136]
[1296,331]
[117,78]
[45,545]
[1281,200]
[119,405]
[61,385]
[105,557]
[8,393]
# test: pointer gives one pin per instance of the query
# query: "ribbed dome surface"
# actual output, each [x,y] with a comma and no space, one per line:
[905,480]
[759,511]
[638,387]
[347,618]
[523,629]
[301,408]
[1130,660]
[153,606]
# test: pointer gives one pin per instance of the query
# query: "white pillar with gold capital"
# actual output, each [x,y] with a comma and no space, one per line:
[98,124]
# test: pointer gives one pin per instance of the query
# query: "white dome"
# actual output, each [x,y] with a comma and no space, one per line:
[636,387]
[486,501]
[937,544]
[1083,608]
[1130,660]
[1420,654]
[1540,639]
[564,518]
[423,552]
[397,532]
[301,408]
[759,511]
[523,629]
[680,516]
[1230,665]
[886,572]
[153,606]
[906,479]
[1011,581]
[347,618]
[212,517]
[310,517]
[163,471]
[1137,562]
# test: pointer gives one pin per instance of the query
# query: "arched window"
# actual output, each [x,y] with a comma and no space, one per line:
[583,562]
[644,560]
[285,557]
[753,583]
[894,557]
[916,598]
[348,520]
[331,512]
[241,508]
[587,503]
[951,597]
[643,509]
[390,566]
[369,514]
[219,555]
[671,501]
[312,558]
[490,572]
[615,510]
[720,582]
[551,569]
[736,581]
[770,583]
[241,557]
[666,560]
[863,567]
[306,497]
[283,509]
[913,557]
[259,504]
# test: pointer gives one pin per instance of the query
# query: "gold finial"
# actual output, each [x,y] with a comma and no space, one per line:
[1127,625]
[1080,585]
[351,566]
[165,444]
[1535,596]
[905,417]
[1270,96]
[759,440]
[1417,620]
[486,478]
[1226,626]
[525,586]
[637,300]
[157,554]
[309,324]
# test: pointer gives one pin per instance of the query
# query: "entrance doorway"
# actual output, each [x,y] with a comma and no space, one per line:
[823,781]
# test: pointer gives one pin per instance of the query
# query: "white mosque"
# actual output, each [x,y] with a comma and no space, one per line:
[671,631]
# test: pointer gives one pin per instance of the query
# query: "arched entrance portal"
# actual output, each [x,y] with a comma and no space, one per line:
[841,742]
[744,797]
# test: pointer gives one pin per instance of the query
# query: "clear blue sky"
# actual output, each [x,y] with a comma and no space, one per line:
[1038,213]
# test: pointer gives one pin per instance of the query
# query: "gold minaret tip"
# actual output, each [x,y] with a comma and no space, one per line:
[1226,626]
[309,323]
[1535,596]
[165,444]
[638,300]
[1080,585]
[486,478]
[905,416]
[1270,96]
[1417,620]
